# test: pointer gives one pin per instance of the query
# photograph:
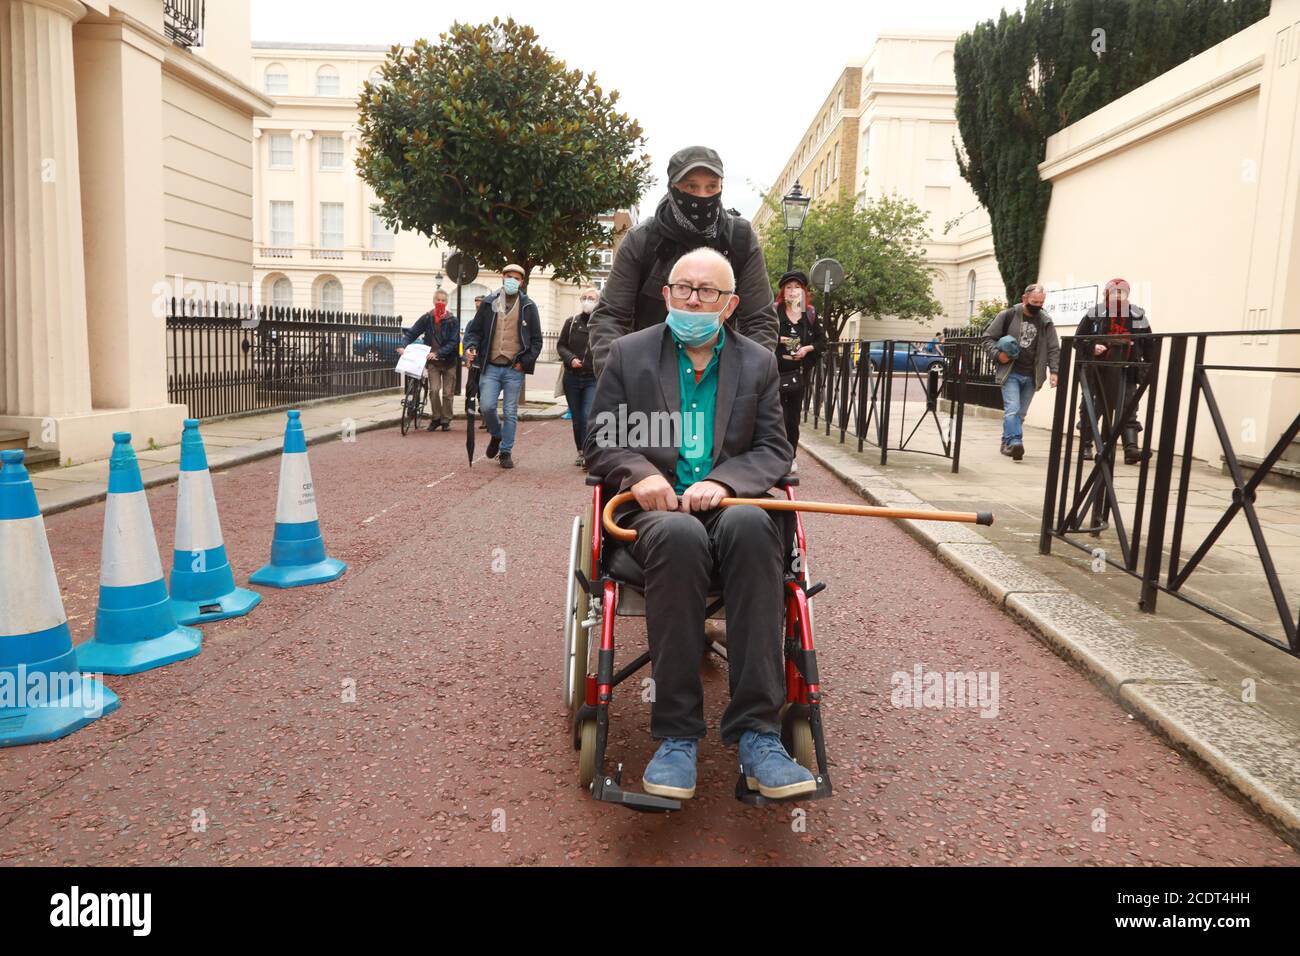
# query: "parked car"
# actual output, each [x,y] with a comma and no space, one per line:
[907,357]
[377,346]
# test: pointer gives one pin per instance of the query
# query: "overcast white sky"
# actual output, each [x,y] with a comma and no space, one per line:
[742,77]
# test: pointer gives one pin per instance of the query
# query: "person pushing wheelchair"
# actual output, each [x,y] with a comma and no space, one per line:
[721,390]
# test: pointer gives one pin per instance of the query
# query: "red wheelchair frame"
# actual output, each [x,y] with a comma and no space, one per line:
[801,722]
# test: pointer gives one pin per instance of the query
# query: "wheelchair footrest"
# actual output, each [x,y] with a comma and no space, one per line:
[755,799]
[611,792]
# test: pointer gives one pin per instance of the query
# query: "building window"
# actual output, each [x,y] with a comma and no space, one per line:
[331,152]
[381,237]
[381,297]
[835,164]
[331,295]
[277,80]
[281,150]
[970,295]
[282,293]
[331,225]
[327,81]
[281,223]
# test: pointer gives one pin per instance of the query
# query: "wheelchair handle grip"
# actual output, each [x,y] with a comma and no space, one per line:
[817,507]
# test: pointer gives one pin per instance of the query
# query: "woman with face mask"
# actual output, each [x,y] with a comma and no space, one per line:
[801,341]
[579,377]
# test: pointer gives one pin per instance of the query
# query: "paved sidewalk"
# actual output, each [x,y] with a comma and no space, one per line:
[235,440]
[1182,671]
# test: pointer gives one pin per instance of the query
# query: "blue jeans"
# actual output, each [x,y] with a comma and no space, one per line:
[580,390]
[1017,393]
[495,380]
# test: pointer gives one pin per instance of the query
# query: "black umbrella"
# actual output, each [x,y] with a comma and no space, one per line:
[471,407]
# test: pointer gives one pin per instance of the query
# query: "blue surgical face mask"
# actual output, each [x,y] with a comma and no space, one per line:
[694,328]
[511,286]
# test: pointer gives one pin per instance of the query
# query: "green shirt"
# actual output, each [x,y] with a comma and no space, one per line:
[699,399]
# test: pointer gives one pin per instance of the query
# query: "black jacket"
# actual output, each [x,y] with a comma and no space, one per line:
[478,334]
[574,344]
[1096,322]
[750,450]
[809,332]
[442,337]
[633,299]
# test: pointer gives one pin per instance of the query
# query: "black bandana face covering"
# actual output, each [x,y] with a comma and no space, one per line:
[700,211]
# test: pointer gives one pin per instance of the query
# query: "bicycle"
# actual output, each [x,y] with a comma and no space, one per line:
[413,398]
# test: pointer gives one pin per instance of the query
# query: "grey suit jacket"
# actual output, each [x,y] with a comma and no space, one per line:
[641,377]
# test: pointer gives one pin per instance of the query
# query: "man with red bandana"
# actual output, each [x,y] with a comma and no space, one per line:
[440,330]
[1112,384]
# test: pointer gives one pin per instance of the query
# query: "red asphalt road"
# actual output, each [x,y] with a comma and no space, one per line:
[458,722]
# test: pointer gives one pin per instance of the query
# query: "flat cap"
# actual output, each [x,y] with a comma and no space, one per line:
[693,157]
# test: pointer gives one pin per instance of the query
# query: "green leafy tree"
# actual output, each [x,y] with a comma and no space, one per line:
[488,143]
[1029,74]
[880,246]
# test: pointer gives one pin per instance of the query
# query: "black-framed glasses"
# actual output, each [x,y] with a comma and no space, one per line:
[707,294]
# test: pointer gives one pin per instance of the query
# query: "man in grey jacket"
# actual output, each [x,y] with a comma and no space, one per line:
[690,216]
[718,392]
[1020,376]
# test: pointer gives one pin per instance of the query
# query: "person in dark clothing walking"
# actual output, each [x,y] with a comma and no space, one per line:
[691,216]
[800,342]
[1115,315]
[504,339]
[579,376]
[440,330]
[1038,353]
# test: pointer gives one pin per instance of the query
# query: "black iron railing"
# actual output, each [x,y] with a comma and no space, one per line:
[979,386]
[183,22]
[886,394]
[1103,397]
[226,358]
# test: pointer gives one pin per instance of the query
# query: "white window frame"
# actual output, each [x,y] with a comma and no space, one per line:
[331,73]
[283,235]
[281,89]
[381,238]
[330,238]
[283,140]
[284,282]
[331,139]
[970,295]
[324,307]
[375,307]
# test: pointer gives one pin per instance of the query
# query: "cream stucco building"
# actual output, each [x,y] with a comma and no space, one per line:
[319,244]
[888,127]
[125,161]
[1189,187]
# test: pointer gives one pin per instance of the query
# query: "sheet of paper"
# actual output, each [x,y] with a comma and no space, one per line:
[411,362]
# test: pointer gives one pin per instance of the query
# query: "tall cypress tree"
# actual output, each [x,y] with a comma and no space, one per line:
[1027,75]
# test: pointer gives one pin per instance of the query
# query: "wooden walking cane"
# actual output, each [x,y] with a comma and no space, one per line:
[819,507]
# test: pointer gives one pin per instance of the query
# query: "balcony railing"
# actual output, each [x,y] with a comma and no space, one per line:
[350,255]
[276,252]
[332,254]
[183,22]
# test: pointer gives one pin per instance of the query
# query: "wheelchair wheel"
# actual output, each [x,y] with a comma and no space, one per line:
[587,753]
[797,737]
[577,604]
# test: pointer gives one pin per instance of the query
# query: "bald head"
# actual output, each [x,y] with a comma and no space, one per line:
[702,273]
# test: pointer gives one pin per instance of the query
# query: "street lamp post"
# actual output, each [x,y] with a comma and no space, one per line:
[795,206]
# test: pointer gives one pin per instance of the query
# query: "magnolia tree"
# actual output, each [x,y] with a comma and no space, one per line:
[880,246]
[488,143]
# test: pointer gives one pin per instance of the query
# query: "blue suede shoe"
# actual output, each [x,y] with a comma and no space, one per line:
[770,770]
[671,772]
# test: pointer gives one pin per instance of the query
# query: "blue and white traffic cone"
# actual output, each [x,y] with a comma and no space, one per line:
[43,694]
[135,629]
[297,550]
[202,582]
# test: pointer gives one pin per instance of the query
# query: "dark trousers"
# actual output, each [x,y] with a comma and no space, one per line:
[792,406]
[678,553]
[1112,393]
[580,390]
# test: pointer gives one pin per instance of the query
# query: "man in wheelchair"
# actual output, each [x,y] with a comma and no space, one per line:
[727,439]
